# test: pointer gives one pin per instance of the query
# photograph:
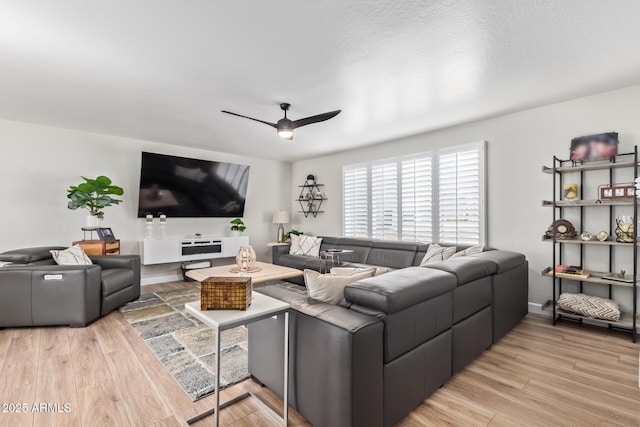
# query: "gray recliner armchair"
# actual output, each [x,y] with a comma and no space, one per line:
[35,291]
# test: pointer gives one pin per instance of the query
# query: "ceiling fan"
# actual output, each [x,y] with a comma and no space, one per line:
[285,126]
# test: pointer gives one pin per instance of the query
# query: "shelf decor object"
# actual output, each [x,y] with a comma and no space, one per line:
[561,229]
[225,293]
[570,191]
[625,230]
[311,197]
[619,201]
[246,260]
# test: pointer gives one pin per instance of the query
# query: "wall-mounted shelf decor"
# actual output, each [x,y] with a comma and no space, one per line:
[311,197]
[572,247]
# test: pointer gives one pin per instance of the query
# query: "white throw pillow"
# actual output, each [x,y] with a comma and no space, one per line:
[71,256]
[346,271]
[437,253]
[471,250]
[329,288]
[305,245]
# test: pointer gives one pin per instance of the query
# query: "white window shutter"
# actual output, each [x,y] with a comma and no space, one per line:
[417,200]
[460,197]
[384,200]
[356,208]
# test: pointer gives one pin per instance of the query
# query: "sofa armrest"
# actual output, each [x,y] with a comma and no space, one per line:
[333,352]
[278,250]
[130,262]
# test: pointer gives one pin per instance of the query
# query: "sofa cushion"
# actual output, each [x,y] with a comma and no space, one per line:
[437,253]
[71,256]
[465,269]
[360,248]
[27,255]
[392,254]
[504,260]
[294,261]
[329,288]
[115,279]
[399,289]
[305,245]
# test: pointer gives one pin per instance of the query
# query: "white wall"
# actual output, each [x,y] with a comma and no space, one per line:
[39,163]
[518,145]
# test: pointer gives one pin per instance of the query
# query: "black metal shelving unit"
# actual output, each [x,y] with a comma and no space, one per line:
[628,321]
[311,198]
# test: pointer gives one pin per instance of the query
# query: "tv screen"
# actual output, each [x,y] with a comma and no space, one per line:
[181,187]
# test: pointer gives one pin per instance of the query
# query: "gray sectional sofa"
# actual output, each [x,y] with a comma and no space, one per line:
[400,336]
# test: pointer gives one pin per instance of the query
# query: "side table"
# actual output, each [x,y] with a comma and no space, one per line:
[332,255]
[99,247]
[262,307]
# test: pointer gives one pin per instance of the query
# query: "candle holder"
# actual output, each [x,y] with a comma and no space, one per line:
[246,260]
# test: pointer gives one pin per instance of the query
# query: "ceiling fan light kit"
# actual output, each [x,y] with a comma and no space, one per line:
[285,126]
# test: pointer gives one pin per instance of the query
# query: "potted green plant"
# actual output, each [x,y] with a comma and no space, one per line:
[311,179]
[287,235]
[94,195]
[237,226]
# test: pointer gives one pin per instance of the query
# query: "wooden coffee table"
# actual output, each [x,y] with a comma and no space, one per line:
[267,273]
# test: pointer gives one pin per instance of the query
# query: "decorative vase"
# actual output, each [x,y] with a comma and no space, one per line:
[235,233]
[246,258]
[625,232]
[92,221]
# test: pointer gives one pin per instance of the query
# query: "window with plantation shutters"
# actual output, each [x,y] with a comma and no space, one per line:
[436,196]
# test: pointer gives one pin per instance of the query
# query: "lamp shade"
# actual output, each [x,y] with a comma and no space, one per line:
[281,217]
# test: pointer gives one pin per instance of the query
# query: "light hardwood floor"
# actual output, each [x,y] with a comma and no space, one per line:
[538,375]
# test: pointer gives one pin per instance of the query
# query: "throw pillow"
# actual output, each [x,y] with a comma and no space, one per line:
[71,256]
[346,271]
[590,306]
[471,250]
[329,288]
[437,253]
[305,245]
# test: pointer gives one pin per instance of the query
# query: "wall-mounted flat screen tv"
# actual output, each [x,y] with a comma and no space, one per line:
[181,187]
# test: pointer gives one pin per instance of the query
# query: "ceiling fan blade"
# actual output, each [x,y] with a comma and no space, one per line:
[273,125]
[315,119]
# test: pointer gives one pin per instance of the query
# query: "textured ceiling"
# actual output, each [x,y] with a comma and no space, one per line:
[162,70]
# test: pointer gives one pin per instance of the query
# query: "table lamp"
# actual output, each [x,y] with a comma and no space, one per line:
[281,217]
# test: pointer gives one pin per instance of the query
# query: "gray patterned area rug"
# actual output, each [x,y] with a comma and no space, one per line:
[184,345]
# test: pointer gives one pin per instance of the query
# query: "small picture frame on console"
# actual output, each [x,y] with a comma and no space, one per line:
[105,234]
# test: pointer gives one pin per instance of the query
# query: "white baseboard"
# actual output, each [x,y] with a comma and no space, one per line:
[535,308]
[153,280]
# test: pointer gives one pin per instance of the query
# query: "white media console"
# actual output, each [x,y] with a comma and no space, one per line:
[178,250]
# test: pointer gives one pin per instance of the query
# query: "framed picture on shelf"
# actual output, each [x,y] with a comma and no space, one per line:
[594,147]
[617,191]
[105,234]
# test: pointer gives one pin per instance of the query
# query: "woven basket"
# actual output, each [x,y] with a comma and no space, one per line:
[225,293]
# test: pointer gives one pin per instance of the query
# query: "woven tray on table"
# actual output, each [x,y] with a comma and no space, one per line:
[225,293]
